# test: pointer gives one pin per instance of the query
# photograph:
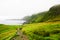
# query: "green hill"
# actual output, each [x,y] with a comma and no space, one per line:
[52,15]
[35,18]
[44,25]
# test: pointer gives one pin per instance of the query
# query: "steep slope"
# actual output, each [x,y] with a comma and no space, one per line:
[53,14]
[35,18]
[44,26]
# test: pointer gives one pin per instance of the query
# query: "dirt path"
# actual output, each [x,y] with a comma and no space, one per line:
[20,36]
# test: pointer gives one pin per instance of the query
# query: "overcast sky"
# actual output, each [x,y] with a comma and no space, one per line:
[16,9]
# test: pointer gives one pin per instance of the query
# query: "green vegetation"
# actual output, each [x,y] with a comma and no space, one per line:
[7,31]
[52,15]
[42,31]
[43,26]
[35,18]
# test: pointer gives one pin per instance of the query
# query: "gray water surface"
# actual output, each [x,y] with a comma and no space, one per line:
[12,22]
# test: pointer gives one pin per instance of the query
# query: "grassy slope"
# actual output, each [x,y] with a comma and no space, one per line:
[7,32]
[42,31]
[48,29]
[35,18]
[55,19]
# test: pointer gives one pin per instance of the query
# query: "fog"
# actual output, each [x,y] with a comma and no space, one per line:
[17,9]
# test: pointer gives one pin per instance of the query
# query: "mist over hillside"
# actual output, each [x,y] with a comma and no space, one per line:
[53,14]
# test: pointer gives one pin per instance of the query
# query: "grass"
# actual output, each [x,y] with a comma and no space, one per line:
[7,31]
[35,31]
[42,31]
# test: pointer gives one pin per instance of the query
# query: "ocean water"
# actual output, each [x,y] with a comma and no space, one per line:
[12,22]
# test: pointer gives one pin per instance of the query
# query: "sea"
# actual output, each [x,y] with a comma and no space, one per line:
[12,22]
